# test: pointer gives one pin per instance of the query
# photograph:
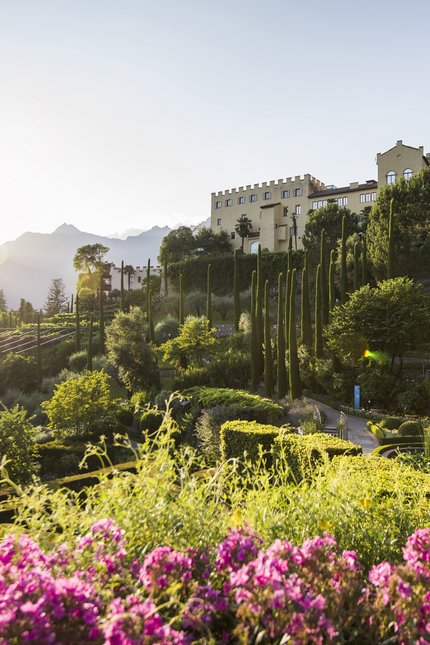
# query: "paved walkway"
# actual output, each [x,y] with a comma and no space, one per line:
[358,432]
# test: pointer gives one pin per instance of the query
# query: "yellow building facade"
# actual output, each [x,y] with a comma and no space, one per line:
[275,207]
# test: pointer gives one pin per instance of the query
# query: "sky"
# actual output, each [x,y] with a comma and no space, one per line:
[125,114]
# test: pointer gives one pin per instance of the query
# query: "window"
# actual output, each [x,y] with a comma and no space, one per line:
[373,197]
[293,231]
[391,177]
[253,198]
[232,235]
[319,204]
[285,211]
[139,279]
[253,247]
[267,195]
[241,200]
[218,222]
[342,201]
[218,205]
[229,202]
[407,174]
[297,192]
[285,194]
[132,279]
[298,209]
[367,197]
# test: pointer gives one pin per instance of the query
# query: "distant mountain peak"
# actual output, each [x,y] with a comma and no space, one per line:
[66,229]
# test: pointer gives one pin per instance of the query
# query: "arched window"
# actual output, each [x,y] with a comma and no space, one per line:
[391,177]
[253,247]
[407,173]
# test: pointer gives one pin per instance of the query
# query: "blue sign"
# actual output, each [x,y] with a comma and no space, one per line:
[356,397]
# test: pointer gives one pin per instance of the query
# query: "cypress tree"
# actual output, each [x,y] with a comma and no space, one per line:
[331,284]
[255,377]
[236,295]
[343,275]
[150,319]
[38,353]
[259,322]
[166,286]
[390,257]
[122,286]
[323,277]
[287,298]
[90,345]
[181,300]
[306,330]
[280,345]
[356,266]
[209,297]
[101,316]
[78,325]
[148,287]
[268,357]
[294,371]
[71,304]
[318,315]
[364,270]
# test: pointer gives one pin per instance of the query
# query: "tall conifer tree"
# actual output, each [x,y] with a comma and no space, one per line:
[268,357]
[181,300]
[90,345]
[122,286]
[255,376]
[356,266]
[259,314]
[364,269]
[306,322]
[236,294]
[318,315]
[331,281]
[280,345]
[209,297]
[294,371]
[390,257]
[78,325]
[323,278]
[343,273]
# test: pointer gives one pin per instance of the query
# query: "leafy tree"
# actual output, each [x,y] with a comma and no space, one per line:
[242,228]
[89,258]
[222,305]
[17,444]
[328,218]
[176,245]
[195,303]
[3,306]
[56,301]
[195,344]
[129,353]
[129,271]
[391,318]
[411,209]
[80,403]
[208,242]
[19,372]
[25,311]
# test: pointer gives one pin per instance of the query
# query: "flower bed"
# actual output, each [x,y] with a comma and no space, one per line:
[236,592]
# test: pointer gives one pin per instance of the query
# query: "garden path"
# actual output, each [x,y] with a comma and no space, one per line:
[357,428]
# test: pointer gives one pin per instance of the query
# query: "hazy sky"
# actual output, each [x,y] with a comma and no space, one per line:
[126,114]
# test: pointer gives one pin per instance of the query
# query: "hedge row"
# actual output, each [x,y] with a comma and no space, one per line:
[387,437]
[249,406]
[239,438]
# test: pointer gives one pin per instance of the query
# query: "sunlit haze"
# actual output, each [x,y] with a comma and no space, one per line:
[126,114]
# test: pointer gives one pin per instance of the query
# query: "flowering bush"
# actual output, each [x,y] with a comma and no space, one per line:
[239,592]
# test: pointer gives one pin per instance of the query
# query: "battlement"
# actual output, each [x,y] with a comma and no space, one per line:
[285,184]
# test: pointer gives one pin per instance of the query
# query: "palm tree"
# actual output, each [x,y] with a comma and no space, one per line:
[243,227]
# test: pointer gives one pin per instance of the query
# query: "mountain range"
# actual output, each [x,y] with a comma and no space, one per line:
[29,263]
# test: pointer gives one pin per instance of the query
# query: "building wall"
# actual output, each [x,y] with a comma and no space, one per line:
[397,160]
[136,280]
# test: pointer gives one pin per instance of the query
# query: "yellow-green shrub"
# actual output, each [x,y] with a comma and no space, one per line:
[239,437]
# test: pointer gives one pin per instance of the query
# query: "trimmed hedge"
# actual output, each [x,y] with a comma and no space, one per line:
[381,451]
[238,437]
[386,437]
[410,429]
[250,407]
[304,453]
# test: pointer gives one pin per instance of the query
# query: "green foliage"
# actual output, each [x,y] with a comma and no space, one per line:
[18,372]
[223,305]
[247,439]
[129,353]
[56,301]
[410,203]
[302,455]
[175,245]
[78,361]
[343,269]
[166,329]
[410,428]
[208,397]
[150,421]
[318,315]
[293,362]
[236,292]
[391,423]
[195,343]
[80,404]
[328,218]
[268,355]
[390,318]
[208,242]
[242,228]
[281,379]
[17,444]
[209,297]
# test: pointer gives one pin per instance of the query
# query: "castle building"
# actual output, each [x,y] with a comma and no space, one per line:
[275,207]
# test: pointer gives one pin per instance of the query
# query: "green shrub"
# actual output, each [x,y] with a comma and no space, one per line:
[390,423]
[17,444]
[239,437]
[190,377]
[150,421]
[252,406]
[166,329]
[58,459]
[411,429]
[78,361]
[208,427]
[124,414]
[18,372]
[303,454]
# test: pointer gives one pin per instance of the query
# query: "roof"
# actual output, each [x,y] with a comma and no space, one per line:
[368,185]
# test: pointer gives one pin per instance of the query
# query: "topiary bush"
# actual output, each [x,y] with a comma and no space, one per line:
[390,423]
[240,437]
[249,406]
[302,455]
[410,429]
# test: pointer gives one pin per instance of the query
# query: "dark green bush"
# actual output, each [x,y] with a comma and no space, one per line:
[58,459]
[18,372]
[391,423]
[150,421]
[78,361]
[190,377]
[166,329]
[303,454]
[239,437]
[124,415]
[410,429]
[251,406]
